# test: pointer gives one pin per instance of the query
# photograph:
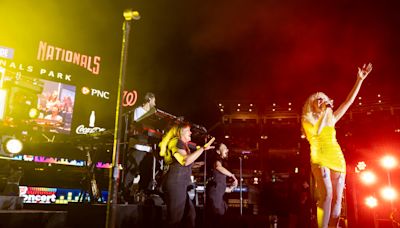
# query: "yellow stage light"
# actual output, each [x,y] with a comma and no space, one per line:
[33,113]
[13,146]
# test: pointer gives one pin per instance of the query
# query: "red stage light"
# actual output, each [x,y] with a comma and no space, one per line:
[360,166]
[388,162]
[371,201]
[388,193]
[368,177]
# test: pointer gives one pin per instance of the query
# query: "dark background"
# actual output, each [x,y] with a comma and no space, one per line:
[191,54]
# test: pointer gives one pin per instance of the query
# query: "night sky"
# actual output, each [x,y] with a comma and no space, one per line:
[194,53]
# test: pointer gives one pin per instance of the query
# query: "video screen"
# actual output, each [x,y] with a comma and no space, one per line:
[41,104]
[56,105]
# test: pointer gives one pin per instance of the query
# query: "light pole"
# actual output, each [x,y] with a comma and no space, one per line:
[112,201]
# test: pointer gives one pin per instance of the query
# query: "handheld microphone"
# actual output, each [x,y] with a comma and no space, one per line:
[329,103]
[210,142]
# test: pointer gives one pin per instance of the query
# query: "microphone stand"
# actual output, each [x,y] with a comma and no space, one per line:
[125,150]
[114,176]
[241,186]
[205,184]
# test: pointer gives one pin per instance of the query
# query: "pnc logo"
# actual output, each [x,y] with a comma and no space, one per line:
[85,90]
[95,92]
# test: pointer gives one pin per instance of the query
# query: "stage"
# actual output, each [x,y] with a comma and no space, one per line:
[132,215]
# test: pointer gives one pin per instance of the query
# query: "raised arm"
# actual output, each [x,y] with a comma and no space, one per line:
[186,159]
[361,75]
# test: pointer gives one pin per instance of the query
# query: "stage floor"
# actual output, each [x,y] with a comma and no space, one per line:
[131,215]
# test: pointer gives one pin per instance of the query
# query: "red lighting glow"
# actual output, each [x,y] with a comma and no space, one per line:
[360,166]
[368,177]
[371,201]
[388,193]
[389,162]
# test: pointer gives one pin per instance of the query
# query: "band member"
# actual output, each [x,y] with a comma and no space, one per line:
[328,165]
[179,160]
[138,151]
[149,103]
[216,187]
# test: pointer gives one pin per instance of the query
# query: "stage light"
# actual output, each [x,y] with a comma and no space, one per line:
[368,177]
[371,201]
[264,137]
[389,162]
[360,166]
[33,113]
[388,193]
[129,14]
[12,146]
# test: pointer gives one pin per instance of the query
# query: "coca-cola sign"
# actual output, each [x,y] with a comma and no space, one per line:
[82,130]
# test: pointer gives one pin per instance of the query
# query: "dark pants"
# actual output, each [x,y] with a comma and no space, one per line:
[180,208]
[215,198]
[133,160]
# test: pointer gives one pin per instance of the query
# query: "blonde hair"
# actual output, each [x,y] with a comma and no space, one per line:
[173,133]
[308,109]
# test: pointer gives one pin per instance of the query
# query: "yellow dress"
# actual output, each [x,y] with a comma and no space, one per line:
[325,150]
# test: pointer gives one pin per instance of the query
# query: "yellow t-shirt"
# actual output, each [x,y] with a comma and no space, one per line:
[325,150]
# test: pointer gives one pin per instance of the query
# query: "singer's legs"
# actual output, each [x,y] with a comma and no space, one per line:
[338,182]
[325,194]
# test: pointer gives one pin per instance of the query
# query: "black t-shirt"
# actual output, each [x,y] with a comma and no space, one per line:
[176,144]
[215,174]
[181,145]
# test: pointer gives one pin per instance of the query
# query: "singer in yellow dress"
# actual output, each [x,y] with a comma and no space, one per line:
[328,165]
